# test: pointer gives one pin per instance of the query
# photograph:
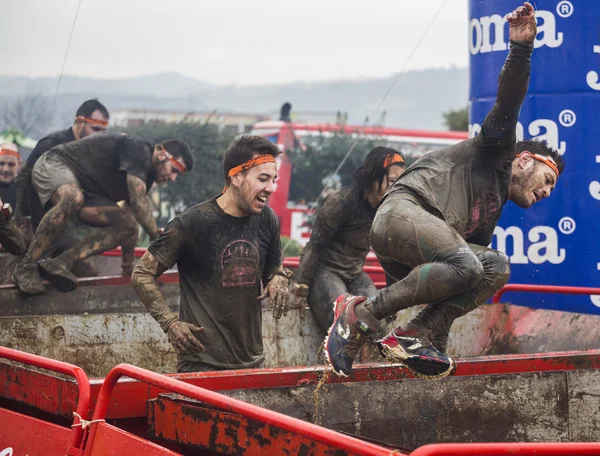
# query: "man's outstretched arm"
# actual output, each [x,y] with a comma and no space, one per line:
[498,130]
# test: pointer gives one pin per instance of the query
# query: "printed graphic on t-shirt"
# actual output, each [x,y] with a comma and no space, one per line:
[484,211]
[239,261]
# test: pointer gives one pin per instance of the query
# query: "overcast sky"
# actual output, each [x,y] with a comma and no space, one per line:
[231,41]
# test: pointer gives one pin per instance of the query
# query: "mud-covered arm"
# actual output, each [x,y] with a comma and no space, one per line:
[141,205]
[499,127]
[498,130]
[145,282]
[11,238]
[330,219]
[23,180]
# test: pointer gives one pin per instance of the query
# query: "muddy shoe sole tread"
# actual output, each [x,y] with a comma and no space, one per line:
[60,282]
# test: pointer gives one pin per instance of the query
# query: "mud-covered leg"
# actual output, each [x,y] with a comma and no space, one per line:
[437,318]
[119,226]
[128,253]
[67,200]
[324,289]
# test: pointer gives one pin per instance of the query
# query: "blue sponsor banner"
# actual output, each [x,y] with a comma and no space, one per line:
[567,47]
[556,241]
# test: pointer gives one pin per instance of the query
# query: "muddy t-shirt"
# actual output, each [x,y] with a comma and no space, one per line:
[340,238]
[102,161]
[222,262]
[467,184]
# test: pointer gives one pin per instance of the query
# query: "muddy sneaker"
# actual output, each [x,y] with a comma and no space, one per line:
[27,278]
[416,352]
[57,273]
[348,333]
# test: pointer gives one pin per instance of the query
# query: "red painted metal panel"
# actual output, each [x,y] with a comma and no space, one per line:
[192,423]
[498,449]
[308,430]
[381,131]
[83,401]
[29,436]
[555,289]
[106,440]
[131,396]
[41,390]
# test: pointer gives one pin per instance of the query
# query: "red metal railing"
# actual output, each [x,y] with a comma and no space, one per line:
[83,383]
[555,289]
[317,433]
[497,449]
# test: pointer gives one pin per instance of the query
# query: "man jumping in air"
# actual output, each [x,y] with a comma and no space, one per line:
[431,230]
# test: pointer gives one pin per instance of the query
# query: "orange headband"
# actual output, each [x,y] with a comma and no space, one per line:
[258,160]
[392,159]
[547,161]
[102,123]
[178,164]
[10,152]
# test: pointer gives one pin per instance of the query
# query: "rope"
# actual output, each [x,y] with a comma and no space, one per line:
[84,423]
[66,54]
[385,95]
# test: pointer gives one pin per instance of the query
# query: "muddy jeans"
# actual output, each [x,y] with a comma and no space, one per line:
[430,263]
[327,286]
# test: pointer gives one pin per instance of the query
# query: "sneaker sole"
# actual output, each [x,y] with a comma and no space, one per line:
[418,374]
[406,359]
[61,283]
[340,373]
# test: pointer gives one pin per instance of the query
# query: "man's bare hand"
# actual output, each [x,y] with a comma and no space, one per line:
[522,24]
[184,337]
[277,292]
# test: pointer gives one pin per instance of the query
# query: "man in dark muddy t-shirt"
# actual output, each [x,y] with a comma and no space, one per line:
[87,178]
[431,231]
[333,259]
[90,118]
[225,249]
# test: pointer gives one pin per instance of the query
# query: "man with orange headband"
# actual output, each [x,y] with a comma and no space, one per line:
[87,178]
[433,227]
[10,161]
[333,259]
[226,249]
[91,117]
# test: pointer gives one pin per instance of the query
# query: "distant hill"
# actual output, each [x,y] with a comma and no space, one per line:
[417,101]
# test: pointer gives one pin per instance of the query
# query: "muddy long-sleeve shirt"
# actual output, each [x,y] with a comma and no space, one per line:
[28,203]
[340,238]
[222,262]
[467,184]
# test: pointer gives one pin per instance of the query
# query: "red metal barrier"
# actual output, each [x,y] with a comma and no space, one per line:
[131,397]
[497,449]
[326,436]
[138,252]
[544,289]
[83,383]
